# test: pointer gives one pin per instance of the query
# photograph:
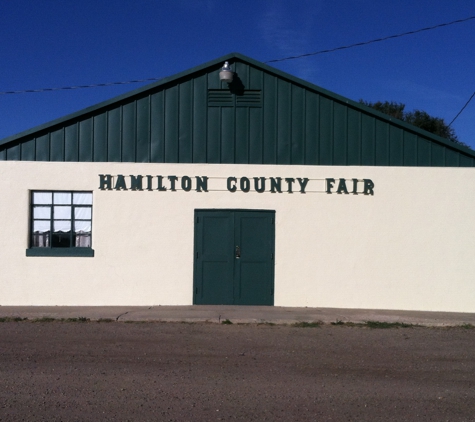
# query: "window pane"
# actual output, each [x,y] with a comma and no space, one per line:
[41,226]
[62,197]
[62,212]
[42,197]
[82,213]
[61,240]
[83,241]
[82,226]
[40,240]
[82,198]
[42,212]
[62,226]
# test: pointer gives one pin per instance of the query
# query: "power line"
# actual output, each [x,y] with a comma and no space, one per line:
[79,86]
[462,109]
[270,61]
[372,41]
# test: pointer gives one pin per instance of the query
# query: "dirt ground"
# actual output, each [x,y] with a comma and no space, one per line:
[71,371]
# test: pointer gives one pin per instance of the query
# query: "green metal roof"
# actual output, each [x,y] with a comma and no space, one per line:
[265,117]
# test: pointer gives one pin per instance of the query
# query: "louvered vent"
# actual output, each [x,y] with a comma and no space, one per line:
[249,99]
[220,98]
[224,98]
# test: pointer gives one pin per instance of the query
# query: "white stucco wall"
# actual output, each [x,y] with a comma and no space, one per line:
[410,246]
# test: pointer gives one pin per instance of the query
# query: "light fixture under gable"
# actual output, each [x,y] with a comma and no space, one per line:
[226,74]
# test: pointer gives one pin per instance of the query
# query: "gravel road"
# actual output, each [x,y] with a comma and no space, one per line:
[72,371]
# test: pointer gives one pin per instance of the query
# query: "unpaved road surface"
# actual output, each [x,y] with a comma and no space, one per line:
[62,371]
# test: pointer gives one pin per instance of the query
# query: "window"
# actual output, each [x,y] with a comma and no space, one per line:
[61,224]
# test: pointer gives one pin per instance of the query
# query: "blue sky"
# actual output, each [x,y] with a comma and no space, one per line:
[55,43]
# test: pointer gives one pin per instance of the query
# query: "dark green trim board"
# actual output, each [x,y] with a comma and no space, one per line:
[265,116]
[234,257]
[58,252]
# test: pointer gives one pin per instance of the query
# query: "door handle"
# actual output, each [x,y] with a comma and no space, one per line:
[238,252]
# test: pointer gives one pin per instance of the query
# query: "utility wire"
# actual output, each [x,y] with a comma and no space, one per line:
[372,41]
[463,108]
[270,61]
[79,86]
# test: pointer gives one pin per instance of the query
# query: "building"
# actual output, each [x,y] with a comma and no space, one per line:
[266,190]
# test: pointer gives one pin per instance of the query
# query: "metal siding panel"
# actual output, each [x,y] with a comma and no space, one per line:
[214,133]
[326,132]
[114,135]
[340,134]
[100,137]
[143,130]
[465,161]
[28,150]
[242,71]
[129,132]
[382,143]
[57,145]
[451,158]
[367,140]
[13,153]
[213,81]
[227,135]
[255,78]
[410,149]
[242,135]
[42,148]
[298,124]
[354,138]
[185,137]
[255,136]
[396,146]
[269,119]
[437,155]
[171,125]
[200,111]
[311,128]
[85,140]
[157,128]
[423,152]
[284,124]
[71,143]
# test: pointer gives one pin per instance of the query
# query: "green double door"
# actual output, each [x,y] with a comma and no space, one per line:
[234,257]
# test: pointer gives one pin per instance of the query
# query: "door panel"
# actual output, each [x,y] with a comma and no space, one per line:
[254,270]
[217,287]
[234,257]
[213,265]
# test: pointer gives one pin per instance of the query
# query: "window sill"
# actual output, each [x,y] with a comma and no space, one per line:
[79,252]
